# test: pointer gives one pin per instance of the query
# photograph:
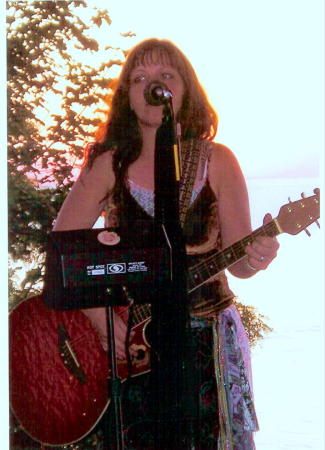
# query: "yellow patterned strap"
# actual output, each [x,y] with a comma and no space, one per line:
[192,151]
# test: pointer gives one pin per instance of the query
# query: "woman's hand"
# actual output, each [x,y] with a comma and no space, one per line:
[120,330]
[262,251]
[98,319]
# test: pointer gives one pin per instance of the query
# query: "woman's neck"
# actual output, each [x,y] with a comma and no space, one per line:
[142,170]
[148,142]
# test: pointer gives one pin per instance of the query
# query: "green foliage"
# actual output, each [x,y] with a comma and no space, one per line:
[46,43]
[52,103]
[253,322]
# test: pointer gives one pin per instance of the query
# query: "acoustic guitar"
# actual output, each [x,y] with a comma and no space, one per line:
[58,368]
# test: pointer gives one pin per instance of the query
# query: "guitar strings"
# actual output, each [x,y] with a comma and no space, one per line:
[80,338]
[240,245]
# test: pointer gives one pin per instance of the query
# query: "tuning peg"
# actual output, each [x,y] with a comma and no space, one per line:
[316,191]
[289,199]
[317,223]
[303,195]
[307,232]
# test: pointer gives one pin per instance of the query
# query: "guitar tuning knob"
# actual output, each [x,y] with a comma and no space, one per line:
[307,232]
[303,195]
[289,199]
[317,223]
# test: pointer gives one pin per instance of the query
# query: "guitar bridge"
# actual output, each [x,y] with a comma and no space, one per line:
[68,356]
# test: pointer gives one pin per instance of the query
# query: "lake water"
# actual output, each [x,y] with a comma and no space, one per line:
[288,364]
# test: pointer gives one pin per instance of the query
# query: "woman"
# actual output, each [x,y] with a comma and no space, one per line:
[119,178]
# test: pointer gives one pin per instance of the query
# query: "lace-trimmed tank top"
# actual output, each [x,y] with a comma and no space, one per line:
[146,197]
[202,234]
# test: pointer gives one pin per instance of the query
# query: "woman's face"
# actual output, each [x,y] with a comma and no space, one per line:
[140,77]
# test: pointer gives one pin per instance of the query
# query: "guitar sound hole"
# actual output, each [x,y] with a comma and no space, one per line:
[141,354]
[148,334]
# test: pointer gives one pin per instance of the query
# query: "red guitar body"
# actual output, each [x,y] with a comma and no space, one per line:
[58,368]
[58,372]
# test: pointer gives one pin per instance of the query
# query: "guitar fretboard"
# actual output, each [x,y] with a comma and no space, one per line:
[200,273]
[293,218]
[141,313]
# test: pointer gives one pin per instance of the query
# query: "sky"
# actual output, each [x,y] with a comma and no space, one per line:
[261,63]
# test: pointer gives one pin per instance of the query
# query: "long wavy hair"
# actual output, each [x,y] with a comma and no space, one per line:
[121,133]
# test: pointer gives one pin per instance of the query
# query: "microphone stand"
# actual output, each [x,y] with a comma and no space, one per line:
[169,311]
[116,394]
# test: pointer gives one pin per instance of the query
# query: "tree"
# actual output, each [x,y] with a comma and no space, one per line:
[52,101]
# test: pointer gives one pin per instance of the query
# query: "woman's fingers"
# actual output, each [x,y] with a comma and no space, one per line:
[120,331]
[263,249]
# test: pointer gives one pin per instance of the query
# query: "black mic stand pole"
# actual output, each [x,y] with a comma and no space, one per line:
[169,312]
[116,394]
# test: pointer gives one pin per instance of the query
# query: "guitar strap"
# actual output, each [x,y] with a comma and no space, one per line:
[195,154]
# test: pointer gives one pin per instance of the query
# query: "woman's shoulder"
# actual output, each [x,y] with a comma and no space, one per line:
[221,156]
[102,162]
[103,157]
[99,173]
[224,168]
[219,149]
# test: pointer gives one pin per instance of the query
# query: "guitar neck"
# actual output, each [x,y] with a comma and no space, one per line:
[200,273]
[293,218]
[215,263]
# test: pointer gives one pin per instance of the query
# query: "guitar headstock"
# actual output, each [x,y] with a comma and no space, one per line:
[295,217]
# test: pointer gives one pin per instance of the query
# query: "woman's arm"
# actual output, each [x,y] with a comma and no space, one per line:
[84,202]
[228,183]
[80,210]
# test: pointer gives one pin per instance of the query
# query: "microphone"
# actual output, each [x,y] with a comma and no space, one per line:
[157,93]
